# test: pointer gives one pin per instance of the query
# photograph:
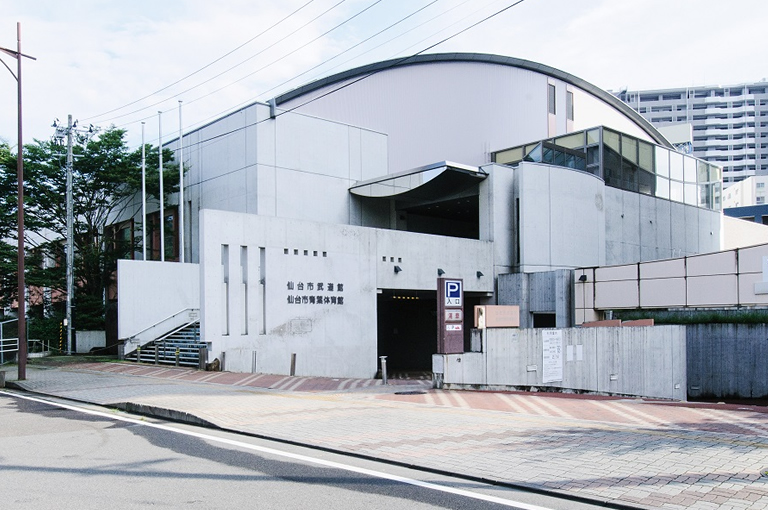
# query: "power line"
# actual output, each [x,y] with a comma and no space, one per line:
[394,63]
[321,63]
[218,114]
[202,68]
[254,56]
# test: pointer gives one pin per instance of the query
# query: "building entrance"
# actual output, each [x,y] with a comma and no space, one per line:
[407,330]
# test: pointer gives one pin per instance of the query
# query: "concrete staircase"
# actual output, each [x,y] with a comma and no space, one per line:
[181,348]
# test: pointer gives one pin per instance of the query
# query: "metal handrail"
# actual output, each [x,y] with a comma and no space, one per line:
[185,310]
[162,338]
[5,343]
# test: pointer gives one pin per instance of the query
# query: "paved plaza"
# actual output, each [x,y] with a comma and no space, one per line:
[625,452]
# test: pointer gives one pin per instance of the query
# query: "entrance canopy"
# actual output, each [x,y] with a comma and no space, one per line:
[425,184]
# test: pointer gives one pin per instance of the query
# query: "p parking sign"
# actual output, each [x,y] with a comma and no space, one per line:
[450,316]
[453,293]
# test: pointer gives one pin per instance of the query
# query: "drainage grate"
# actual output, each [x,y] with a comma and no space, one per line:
[416,393]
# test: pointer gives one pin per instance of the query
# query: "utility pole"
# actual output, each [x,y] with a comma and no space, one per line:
[59,134]
[21,296]
[70,240]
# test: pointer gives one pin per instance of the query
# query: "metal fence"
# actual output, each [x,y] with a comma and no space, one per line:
[9,340]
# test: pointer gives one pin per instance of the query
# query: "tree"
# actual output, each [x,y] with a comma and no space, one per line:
[105,178]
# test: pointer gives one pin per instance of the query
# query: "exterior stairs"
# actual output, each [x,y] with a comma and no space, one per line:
[181,348]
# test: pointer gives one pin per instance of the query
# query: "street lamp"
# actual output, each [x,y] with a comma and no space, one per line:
[20,183]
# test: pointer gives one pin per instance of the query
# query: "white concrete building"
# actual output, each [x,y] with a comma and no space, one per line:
[730,123]
[319,223]
[750,191]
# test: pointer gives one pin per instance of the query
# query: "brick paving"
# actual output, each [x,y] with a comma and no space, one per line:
[630,452]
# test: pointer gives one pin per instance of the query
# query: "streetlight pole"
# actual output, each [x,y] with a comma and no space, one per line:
[21,296]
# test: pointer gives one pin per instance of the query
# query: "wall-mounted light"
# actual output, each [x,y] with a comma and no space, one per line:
[479,274]
[583,278]
[440,272]
[398,269]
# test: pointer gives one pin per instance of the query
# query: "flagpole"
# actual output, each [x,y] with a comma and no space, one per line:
[162,210]
[143,196]
[181,188]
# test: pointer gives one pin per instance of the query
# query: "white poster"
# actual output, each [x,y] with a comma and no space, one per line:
[552,355]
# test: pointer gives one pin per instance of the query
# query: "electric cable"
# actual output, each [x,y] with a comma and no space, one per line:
[397,62]
[202,68]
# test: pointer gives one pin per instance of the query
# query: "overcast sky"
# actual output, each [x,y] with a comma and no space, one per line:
[116,62]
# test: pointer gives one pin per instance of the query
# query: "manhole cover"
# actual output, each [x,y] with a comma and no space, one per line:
[764,472]
[416,393]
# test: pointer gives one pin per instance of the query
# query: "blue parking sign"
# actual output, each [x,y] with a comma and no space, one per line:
[453,293]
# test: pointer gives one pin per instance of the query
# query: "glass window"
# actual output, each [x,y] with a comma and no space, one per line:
[574,141]
[704,195]
[702,174]
[691,194]
[593,136]
[611,167]
[509,156]
[689,166]
[676,166]
[629,148]
[646,183]
[645,155]
[676,191]
[569,105]
[611,139]
[662,161]
[662,187]
[551,99]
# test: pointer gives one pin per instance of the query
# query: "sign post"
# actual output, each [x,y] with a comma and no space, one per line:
[450,316]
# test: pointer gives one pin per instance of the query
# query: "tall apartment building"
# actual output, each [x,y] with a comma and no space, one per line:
[730,124]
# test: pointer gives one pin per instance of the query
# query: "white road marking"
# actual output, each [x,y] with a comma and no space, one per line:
[294,456]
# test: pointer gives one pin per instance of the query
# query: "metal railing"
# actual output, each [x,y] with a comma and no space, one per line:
[162,329]
[8,346]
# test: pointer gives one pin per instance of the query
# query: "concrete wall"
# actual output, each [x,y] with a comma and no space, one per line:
[542,292]
[643,228]
[720,279]
[293,166]
[739,233]
[562,217]
[727,360]
[87,340]
[637,361]
[148,292]
[254,270]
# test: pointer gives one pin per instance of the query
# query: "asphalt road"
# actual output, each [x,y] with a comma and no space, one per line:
[61,455]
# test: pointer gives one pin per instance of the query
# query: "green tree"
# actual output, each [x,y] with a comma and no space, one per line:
[106,176]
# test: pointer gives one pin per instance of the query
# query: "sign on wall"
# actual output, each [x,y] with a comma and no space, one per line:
[450,316]
[453,293]
[552,355]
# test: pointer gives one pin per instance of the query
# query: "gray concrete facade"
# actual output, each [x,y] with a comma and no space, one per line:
[727,361]
[639,361]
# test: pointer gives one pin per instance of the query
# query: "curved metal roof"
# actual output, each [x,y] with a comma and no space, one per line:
[370,69]
[427,183]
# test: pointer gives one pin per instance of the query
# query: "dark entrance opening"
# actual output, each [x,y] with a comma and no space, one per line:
[544,320]
[407,330]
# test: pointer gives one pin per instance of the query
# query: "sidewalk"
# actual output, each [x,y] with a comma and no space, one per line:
[624,452]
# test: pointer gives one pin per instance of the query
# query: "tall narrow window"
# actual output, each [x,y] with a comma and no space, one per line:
[569,105]
[225,288]
[551,99]
[244,289]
